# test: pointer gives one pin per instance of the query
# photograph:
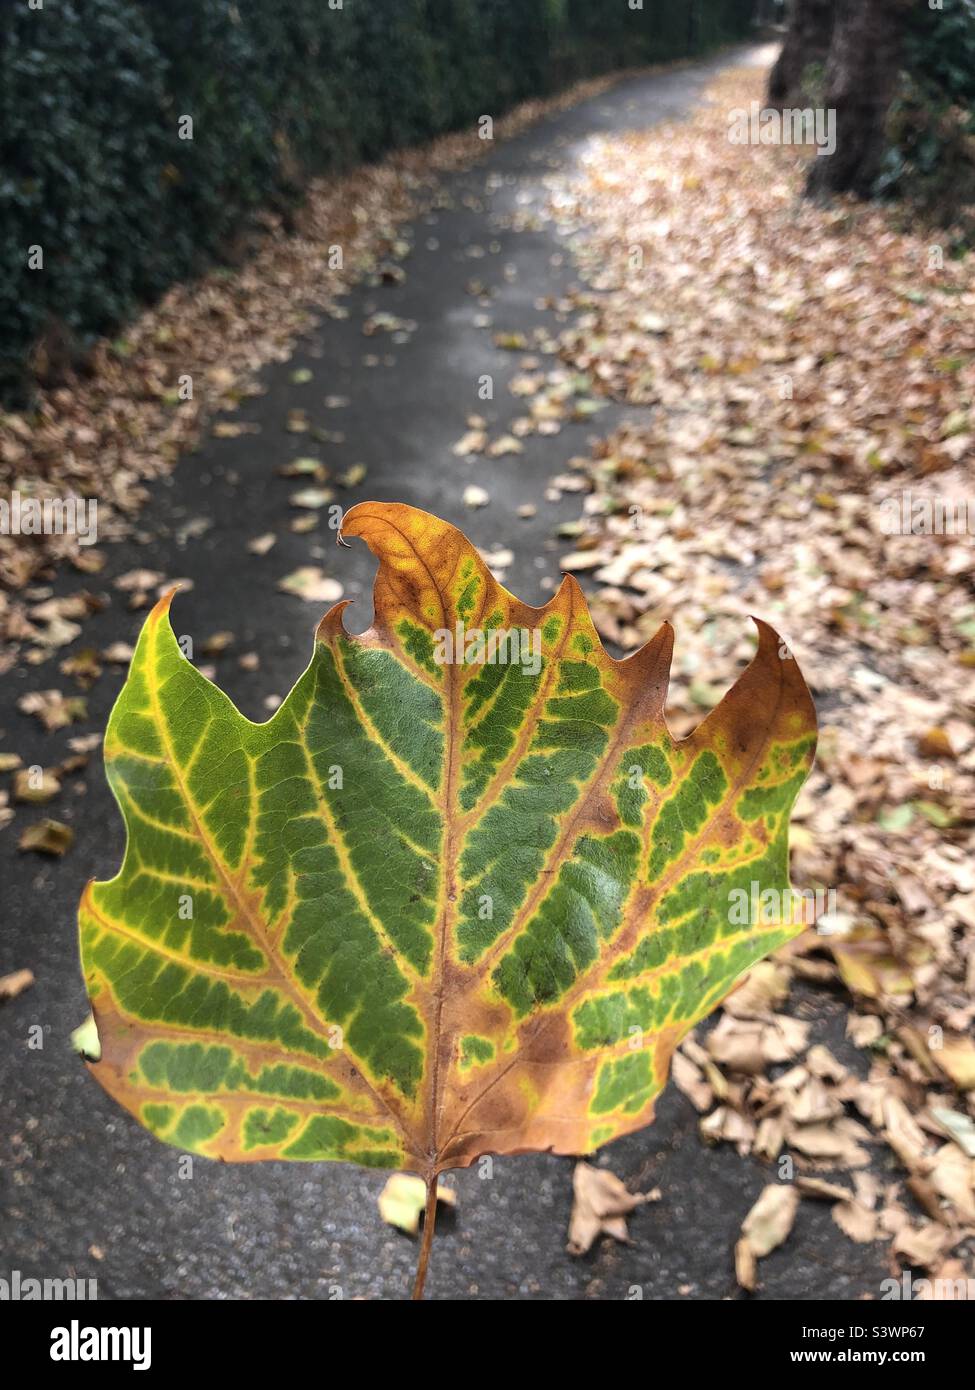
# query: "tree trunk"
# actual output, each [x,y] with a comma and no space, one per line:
[807,40]
[861,79]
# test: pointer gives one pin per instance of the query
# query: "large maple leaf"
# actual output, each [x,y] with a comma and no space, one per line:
[457,895]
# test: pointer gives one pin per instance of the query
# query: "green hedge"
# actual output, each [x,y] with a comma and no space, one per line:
[93,171]
[929,162]
[940,51]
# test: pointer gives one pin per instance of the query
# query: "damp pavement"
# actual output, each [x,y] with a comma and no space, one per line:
[84,1191]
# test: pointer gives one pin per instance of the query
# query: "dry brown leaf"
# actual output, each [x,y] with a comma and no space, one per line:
[689,1079]
[904,1134]
[15,983]
[952,1175]
[52,708]
[856,1221]
[820,1141]
[36,785]
[923,1244]
[47,837]
[600,1204]
[765,1227]
[761,992]
[260,545]
[311,583]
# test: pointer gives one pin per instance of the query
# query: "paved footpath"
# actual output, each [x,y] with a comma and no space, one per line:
[76,1174]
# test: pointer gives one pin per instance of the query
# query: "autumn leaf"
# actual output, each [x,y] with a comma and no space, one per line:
[600,1206]
[765,1227]
[47,837]
[432,907]
[15,983]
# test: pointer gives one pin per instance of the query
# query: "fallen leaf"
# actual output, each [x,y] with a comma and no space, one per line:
[765,1227]
[473,442]
[923,1244]
[232,429]
[856,1221]
[956,1058]
[304,468]
[763,989]
[35,785]
[312,498]
[505,444]
[352,477]
[960,1127]
[52,709]
[119,653]
[600,1205]
[312,584]
[689,1079]
[47,837]
[403,1199]
[15,983]
[260,545]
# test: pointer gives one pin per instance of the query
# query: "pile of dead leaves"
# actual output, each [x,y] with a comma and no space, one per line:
[798,371]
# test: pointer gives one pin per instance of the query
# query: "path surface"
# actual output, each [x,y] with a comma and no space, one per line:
[78,1174]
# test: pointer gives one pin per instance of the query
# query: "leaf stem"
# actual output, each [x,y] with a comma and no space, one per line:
[429,1222]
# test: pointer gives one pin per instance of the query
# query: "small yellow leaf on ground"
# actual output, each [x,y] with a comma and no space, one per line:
[403,1198]
[956,1058]
[935,743]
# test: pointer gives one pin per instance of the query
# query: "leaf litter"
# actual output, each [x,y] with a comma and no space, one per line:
[814,368]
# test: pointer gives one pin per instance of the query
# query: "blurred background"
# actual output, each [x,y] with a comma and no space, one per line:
[674,297]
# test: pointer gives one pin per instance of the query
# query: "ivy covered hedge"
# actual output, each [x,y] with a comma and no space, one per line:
[94,95]
[930,161]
